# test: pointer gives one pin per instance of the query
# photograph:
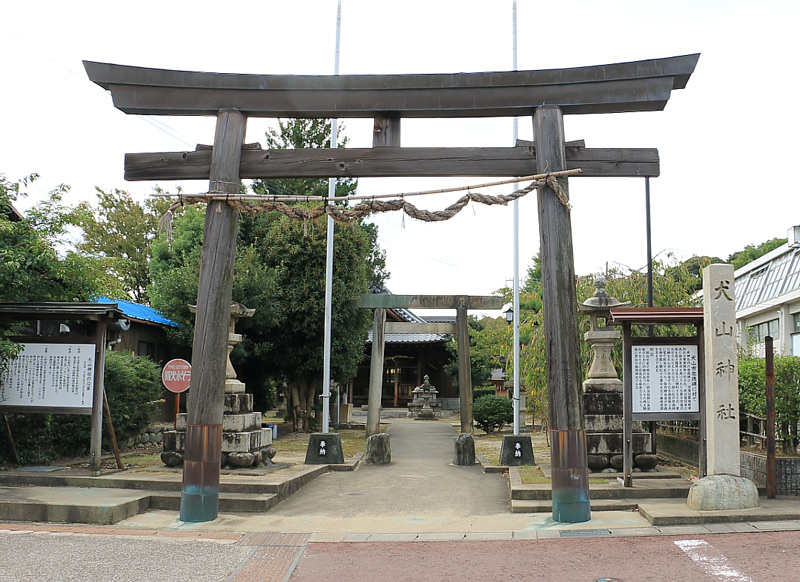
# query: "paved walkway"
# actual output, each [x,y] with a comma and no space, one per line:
[420,480]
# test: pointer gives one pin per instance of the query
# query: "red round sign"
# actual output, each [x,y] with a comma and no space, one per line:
[176,375]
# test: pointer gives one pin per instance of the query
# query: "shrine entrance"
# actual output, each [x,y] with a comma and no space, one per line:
[545,95]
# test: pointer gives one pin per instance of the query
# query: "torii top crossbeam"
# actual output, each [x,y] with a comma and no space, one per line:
[633,86]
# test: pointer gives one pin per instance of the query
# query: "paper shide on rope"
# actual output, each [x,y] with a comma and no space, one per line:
[257,204]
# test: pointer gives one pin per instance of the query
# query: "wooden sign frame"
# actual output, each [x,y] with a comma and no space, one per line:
[627,317]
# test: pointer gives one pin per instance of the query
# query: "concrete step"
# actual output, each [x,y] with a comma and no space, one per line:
[228,502]
[108,506]
[642,489]
[75,498]
[283,482]
[71,504]
[546,505]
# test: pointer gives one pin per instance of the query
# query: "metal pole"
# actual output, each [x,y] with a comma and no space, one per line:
[650,330]
[769,362]
[649,246]
[516,251]
[326,369]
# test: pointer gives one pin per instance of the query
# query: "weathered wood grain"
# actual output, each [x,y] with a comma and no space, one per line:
[376,300]
[386,162]
[464,370]
[209,352]
[558,279]
[613,88]
[409,327]
[386,131]
[376,372]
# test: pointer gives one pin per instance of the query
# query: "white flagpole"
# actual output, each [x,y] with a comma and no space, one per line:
[326,371]
[516,249]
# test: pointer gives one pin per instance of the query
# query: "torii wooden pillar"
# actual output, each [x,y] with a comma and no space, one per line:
[205,400]
[616,88]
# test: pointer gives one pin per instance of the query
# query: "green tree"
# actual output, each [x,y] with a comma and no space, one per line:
[295,253]
[751,252]
[34,266]
[174,272]
[121,230]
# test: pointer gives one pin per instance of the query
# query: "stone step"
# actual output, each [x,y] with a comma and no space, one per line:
[228,502]
[71,504]
[546,505]
[283,482]
[108,506]
[642,489]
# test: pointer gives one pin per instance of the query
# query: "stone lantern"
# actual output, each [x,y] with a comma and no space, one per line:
[602,392]
[427,395]
[602,374]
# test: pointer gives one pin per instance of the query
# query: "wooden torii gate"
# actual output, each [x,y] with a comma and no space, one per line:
[461,303]
[547,95]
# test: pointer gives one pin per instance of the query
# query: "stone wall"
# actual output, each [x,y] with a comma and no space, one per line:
[152,436]
[754,467]
[678,449]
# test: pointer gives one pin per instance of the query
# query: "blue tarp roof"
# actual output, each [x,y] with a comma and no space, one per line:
[137,311]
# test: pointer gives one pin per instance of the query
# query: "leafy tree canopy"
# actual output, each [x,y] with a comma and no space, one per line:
[121,231]
[33,265]
[751,252]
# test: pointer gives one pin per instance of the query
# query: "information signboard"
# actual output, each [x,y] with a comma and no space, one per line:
[665,379]
[50,376]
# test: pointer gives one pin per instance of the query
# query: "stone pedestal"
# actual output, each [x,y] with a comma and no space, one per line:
[244,440]
[603,408]
[721,492]
[242,432]
[324,448]
[516,450]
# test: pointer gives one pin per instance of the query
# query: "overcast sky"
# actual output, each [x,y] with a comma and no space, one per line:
[727,142]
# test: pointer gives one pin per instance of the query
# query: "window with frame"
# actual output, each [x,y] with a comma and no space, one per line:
[758,332]
[792,280]
[775,277]
[752,288]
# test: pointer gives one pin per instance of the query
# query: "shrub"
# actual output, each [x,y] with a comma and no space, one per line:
[492,412]
[481,392]
[132,385]
[752,394]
